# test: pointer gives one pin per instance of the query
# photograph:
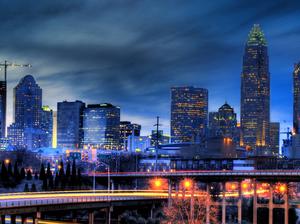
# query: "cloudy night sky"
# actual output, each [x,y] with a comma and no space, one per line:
[130,53]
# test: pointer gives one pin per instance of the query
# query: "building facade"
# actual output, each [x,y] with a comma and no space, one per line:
[101,125]
[70,124]
[26,131]
[296,100]
[189,114]
[255,94]
[223,123]
[274,137]
[47,123]
[162,139]
[126,129]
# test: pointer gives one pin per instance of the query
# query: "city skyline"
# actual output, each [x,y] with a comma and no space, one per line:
[142,84]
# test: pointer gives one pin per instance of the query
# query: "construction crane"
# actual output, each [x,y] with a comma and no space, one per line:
[3,94]
[9,64]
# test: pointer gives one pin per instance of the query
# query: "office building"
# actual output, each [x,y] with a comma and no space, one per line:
[296,100]
[138,143]
[47,123]
[255,94]
[274,137]
[223,123]
[26,131]
[189,114]
[101,125]
[54,130]
[126,129]
[70,124]
[162,139]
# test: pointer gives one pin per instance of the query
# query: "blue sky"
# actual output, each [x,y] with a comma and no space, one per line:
[131,52]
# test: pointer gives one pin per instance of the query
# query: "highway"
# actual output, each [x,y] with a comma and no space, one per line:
[65,197]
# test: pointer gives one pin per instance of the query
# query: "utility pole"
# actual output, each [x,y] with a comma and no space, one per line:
[3,94]
[157,141]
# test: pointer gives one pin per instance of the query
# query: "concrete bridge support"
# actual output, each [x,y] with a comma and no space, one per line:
[169,193]
[13,219]
[207,204]
[239,203]
[286,206]
[2,219]
[254,202]
[36,218]
[23,219]
[271,204]
[91,217]
[223,203]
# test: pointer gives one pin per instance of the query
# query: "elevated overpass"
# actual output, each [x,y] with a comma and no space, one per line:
[35,204]
[209,175]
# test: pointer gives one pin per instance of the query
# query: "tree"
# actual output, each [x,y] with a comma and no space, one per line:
[9,170]
[79,177]
[73,176]
[16,172]
[42,172]
[22,173]
[4,175]
[49,173]
[56,181]
[61,170]
[33,188]
[51,185]
[180,210]
[29,175]
[68,170]
[26,188]
[45,184]
[36,176]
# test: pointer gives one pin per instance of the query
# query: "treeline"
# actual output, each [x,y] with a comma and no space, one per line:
[64,179]
[10,177]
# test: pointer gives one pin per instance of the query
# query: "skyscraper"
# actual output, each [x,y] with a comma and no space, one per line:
[126,129]
[189,114]
[47,123]
[101,125]
[296,104]
[26,131]
[69,124]
[223,123]
[274,137]
[255,93]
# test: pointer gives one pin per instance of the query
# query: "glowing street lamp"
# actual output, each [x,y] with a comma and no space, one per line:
[187,184]
[7,161]
[157,183]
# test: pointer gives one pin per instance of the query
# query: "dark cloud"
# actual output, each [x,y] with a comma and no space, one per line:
[131,52]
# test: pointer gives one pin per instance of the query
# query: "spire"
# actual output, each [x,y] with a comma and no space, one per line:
[256,36]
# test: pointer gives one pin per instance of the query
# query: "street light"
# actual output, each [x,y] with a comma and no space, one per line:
[100,163]
[189,184]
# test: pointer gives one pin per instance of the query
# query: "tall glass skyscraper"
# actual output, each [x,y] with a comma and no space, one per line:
[26,130]
[189,114]
[296,104]
[69,124]
[101,125]
[255,93]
